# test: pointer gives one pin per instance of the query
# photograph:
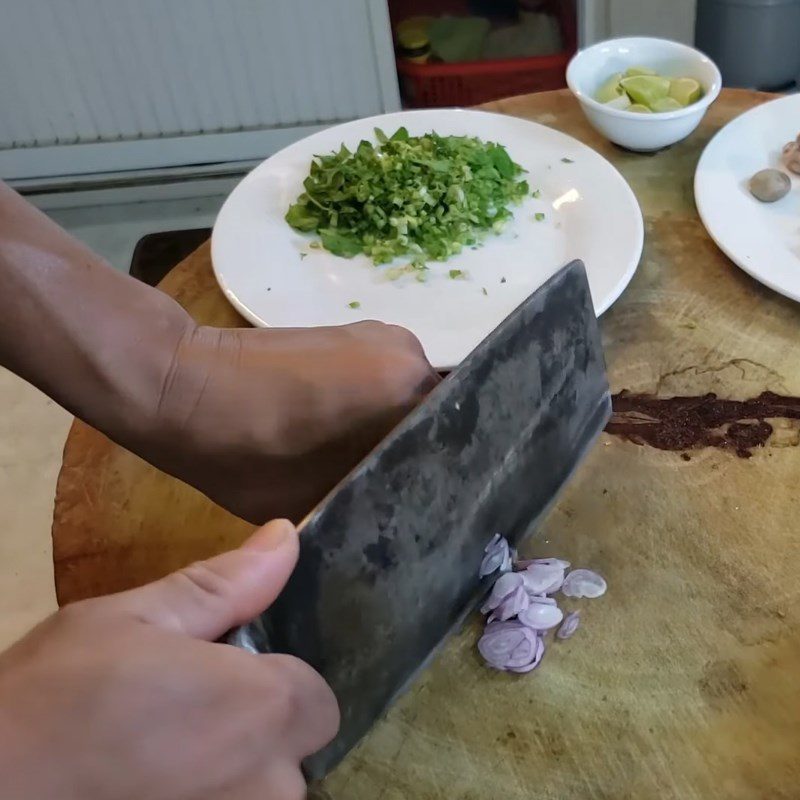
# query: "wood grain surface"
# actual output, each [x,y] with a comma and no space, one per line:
[684,680]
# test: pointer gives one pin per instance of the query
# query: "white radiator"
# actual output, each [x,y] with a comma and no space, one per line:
[98,85]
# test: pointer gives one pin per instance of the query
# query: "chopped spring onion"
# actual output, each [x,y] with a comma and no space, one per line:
[420,197]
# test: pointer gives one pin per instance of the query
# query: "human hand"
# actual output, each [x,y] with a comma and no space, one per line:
[126,697]
[266,422]
[116,698]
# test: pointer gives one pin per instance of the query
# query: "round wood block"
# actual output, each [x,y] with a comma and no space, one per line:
[683,681]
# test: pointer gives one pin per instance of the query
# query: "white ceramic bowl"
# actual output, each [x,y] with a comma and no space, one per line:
[590,68]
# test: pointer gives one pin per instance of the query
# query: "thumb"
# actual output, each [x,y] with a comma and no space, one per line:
[210,597]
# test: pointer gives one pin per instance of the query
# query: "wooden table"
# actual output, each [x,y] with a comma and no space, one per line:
[684,681]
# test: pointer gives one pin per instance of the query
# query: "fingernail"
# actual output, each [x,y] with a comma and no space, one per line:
[271,536]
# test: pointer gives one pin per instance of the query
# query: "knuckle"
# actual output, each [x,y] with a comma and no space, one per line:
[300,687]
[299,705]
[366,327]
[284,704]
[404,376]
[94,617]
[405,336]
[209,584]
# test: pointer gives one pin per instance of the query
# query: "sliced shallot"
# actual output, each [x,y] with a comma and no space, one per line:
[508,597]
[548,562]
[511,605]
[569,626]
[510,646]
[520,611]
[584,583]
[541,616]
[543,578]
[537,657]
[504,586]
[543,598]
[498,556]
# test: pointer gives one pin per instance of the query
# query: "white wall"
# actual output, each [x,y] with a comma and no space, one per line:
[103,85]
[668,19]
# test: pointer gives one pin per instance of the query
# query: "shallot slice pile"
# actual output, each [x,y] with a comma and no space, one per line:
[520,607]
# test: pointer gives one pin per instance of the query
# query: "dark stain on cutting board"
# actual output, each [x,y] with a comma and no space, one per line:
[687,423]
[722,681]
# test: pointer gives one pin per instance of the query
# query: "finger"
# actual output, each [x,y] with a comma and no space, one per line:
[278,779]
[407,337]
[426,380]
[431,378]
[313,717]
[430,382]
[210,597]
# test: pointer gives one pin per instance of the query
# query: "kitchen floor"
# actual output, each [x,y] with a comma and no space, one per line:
[33,428]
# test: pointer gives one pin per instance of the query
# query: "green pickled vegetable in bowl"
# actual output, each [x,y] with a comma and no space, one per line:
[641,90]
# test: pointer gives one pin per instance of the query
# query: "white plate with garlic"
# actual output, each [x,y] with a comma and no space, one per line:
[755,218]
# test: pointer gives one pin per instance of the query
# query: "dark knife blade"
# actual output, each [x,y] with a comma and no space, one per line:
[389,560]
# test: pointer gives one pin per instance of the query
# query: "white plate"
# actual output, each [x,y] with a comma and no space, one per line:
[761,238]
[591,213]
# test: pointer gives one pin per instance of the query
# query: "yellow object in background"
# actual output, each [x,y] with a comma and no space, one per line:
[412,39]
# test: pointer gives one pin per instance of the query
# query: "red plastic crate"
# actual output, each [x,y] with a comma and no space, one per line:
[472,82]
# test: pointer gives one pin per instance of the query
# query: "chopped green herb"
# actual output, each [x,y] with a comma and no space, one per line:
[424,197]
[303,255]
[567,160]
[315,245]
[339,244]
[354,304]
[538,216]
[456,273]
[536,193]
[419,270]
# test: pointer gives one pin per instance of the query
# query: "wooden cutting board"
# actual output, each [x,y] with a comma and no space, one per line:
[684,680]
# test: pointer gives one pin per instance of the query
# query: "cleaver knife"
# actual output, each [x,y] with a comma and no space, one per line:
[389,560]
